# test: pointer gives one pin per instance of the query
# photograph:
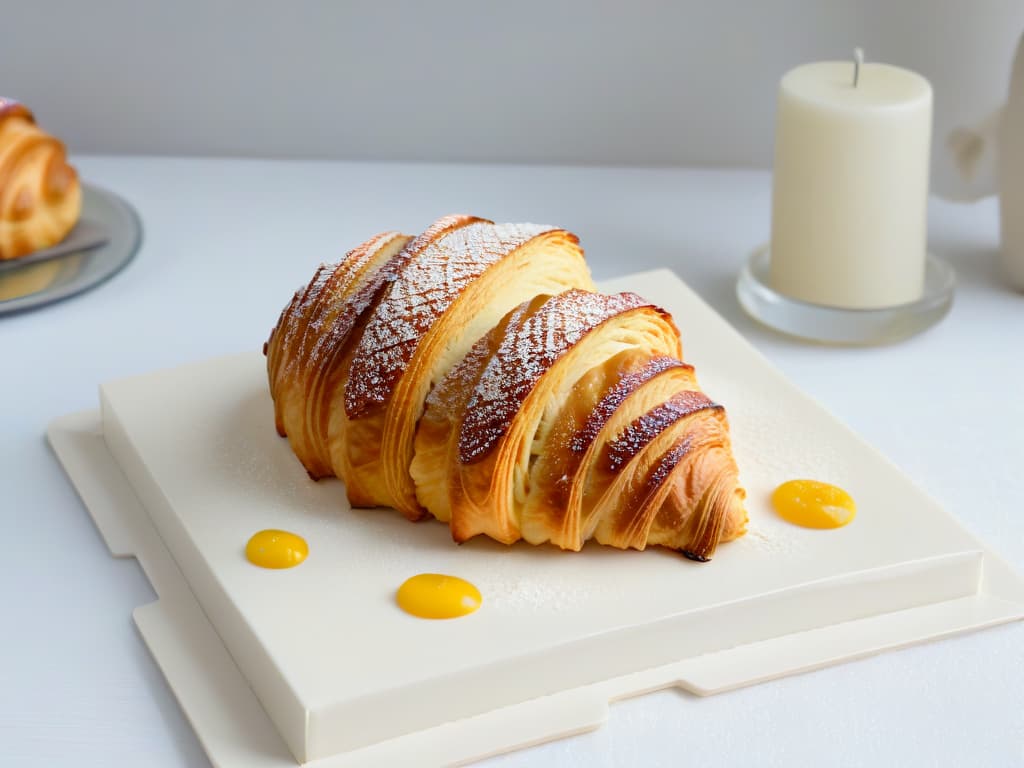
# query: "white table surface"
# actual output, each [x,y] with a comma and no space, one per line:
[226,242]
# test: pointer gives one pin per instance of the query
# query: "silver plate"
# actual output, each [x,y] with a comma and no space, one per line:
[37,282]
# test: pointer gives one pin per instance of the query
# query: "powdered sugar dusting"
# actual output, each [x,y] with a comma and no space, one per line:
[326,310]
[423,289]
[525,353]
[777,542]
[516,592]
[294,347]
[669,460]
[331,342]
[614,397]
[292,321]
[645,428]
[445,398]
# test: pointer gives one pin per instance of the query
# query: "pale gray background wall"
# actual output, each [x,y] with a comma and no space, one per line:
[684,83]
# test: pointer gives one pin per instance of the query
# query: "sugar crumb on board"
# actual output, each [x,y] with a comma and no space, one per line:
[777,541]
[525,594]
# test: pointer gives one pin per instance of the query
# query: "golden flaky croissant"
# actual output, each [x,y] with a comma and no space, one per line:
[40,197]
[473,374]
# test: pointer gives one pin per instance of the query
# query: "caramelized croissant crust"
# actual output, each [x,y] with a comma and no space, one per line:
[472,374]
[40,196]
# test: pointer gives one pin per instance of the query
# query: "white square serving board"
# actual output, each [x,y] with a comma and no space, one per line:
[317,664]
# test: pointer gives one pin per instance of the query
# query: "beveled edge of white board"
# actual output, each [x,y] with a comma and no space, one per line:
[236,732]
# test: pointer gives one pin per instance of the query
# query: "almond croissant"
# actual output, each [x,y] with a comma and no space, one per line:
[472,374]
[40,196]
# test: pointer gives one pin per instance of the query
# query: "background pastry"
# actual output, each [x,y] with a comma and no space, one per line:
[40,195]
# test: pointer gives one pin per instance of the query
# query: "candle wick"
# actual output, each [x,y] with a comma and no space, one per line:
[858,60]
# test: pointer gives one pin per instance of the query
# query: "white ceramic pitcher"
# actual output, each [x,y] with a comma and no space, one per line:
[990,157]
[1010,149]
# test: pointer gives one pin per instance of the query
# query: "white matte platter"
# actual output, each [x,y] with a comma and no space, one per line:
[317,664]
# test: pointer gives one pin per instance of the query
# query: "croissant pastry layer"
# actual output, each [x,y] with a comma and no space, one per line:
[473,374]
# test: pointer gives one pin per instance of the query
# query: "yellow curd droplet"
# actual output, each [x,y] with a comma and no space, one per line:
[813,504]
[437,596]
[276,549]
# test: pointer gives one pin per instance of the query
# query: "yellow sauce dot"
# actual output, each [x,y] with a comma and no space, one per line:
[813,504]
[436,596]
[276,549]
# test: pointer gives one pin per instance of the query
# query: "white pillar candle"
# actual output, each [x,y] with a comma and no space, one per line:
[850,191]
